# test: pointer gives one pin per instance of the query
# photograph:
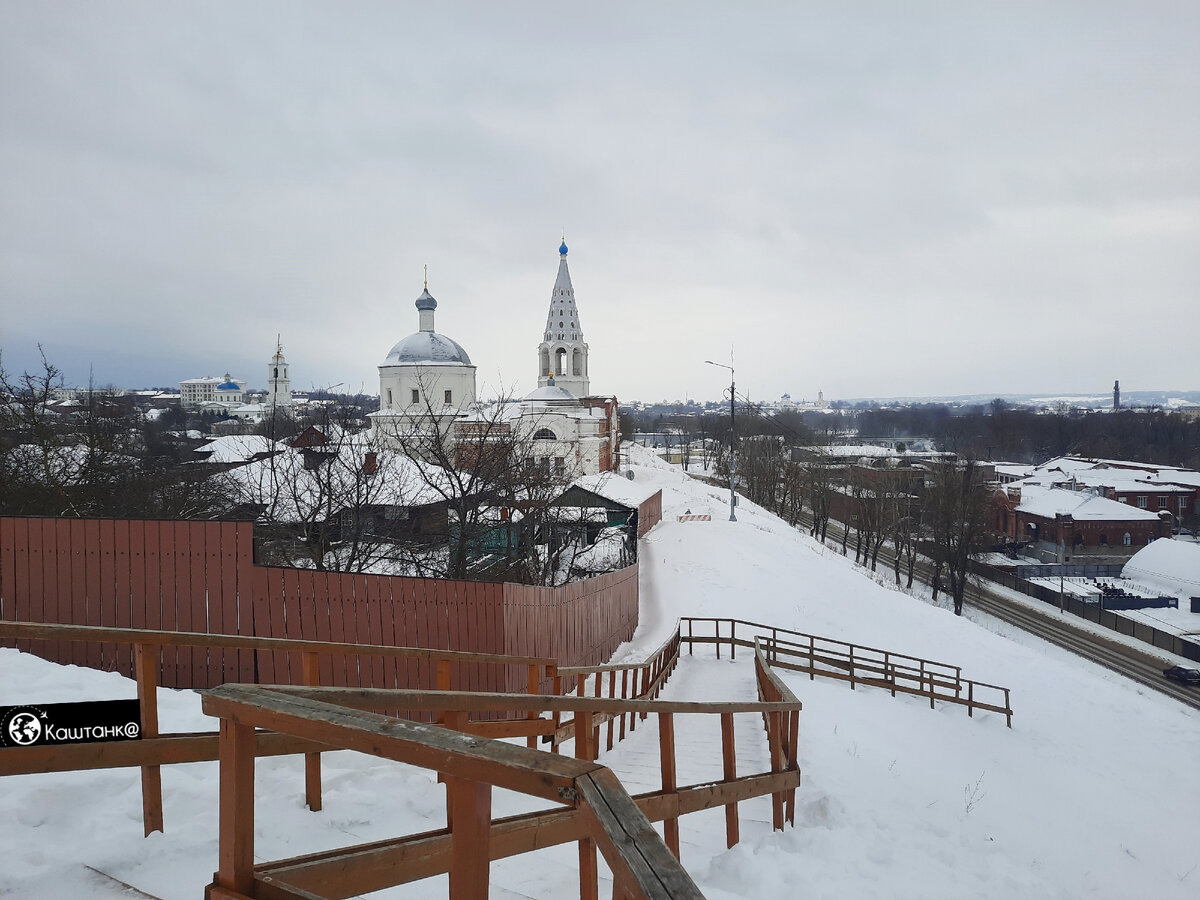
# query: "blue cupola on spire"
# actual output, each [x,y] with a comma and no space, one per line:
[562,250]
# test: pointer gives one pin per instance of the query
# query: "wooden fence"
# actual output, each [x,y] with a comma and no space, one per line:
[855,663]
[649,513]
[201,577]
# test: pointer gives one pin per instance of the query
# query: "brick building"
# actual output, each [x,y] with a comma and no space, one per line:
[1080,522]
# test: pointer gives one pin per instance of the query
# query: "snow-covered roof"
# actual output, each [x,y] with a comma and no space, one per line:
[1111,471]
[291,492]
[427,348]
[233,448]
[552,393]
[614,487]
[1015,470]
[1082,505]
[1169,565]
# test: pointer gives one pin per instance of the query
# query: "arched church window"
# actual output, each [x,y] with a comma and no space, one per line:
[544,434]
[277,371]
[1128,539]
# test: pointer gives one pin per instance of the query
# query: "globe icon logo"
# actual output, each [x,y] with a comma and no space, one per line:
[24,729]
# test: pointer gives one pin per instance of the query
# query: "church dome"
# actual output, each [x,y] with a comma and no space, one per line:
[229,385]
[426,301]
[427,348]
[562,248]
[552,394]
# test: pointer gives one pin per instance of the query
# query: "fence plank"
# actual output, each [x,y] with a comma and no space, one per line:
[77,593]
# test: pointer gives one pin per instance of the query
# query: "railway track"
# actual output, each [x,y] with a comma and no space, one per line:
[1121,658]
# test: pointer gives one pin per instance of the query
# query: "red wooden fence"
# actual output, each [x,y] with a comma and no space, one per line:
[200,576]
[649,513]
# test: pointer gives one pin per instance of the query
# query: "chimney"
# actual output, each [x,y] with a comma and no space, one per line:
[371,463]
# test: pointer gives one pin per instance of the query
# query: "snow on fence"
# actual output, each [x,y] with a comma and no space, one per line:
[201,577]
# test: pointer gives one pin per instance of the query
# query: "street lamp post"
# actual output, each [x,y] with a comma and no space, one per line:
[732,439]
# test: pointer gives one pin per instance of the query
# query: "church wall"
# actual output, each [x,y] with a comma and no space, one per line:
[429,381]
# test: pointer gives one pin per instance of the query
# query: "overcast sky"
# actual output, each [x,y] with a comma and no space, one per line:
[869,199]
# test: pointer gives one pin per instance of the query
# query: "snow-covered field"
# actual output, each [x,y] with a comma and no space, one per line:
[1092,793]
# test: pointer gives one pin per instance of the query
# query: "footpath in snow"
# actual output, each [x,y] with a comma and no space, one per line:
[1092,793]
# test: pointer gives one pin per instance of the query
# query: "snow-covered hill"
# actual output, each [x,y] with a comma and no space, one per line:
[1092,793]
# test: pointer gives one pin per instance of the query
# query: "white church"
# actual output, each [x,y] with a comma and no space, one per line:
[427,381]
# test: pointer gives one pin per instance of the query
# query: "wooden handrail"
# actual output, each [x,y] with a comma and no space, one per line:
[640,860]
[775,630]
[469,701]
[572,671]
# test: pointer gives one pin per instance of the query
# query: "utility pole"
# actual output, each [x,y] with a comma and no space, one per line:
[732,439]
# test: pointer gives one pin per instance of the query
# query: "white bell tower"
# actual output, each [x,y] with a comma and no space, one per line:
[563,354]
[279,385]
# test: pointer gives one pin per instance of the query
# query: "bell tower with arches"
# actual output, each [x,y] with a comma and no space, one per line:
[279,384]
[563,354]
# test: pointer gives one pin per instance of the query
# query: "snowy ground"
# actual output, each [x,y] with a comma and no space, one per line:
[1092,793]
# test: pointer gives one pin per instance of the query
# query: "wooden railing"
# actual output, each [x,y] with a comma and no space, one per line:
[783,730]
[597,813]
[855,663]
[638,681]
[308,660]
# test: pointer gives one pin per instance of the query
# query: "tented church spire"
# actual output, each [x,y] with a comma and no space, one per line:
[563,354]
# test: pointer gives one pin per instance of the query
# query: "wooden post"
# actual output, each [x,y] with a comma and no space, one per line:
[970,699]
[589,888]
[888,674]
[1007,709]
[556,716]
[812,658]
[235,816]
[851,667]
[729,762]
[470,804]
[625,695]
[732,642]
[646,685]
[691,638]
[775,741]
[612,693]
[596,719]
[146,670]
[312,761]
[666,755]
[717,631]
[534,680]
[793,759]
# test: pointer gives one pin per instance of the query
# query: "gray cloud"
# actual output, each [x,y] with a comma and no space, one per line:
[863,198]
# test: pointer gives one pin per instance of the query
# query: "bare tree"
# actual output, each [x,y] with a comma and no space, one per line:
[334,498]
[497,478]
[956,501]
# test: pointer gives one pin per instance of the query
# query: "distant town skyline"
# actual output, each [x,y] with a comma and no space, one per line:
[863,199]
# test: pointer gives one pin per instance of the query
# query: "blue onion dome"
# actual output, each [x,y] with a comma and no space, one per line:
[426,301]
[562,249]
[228,384]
